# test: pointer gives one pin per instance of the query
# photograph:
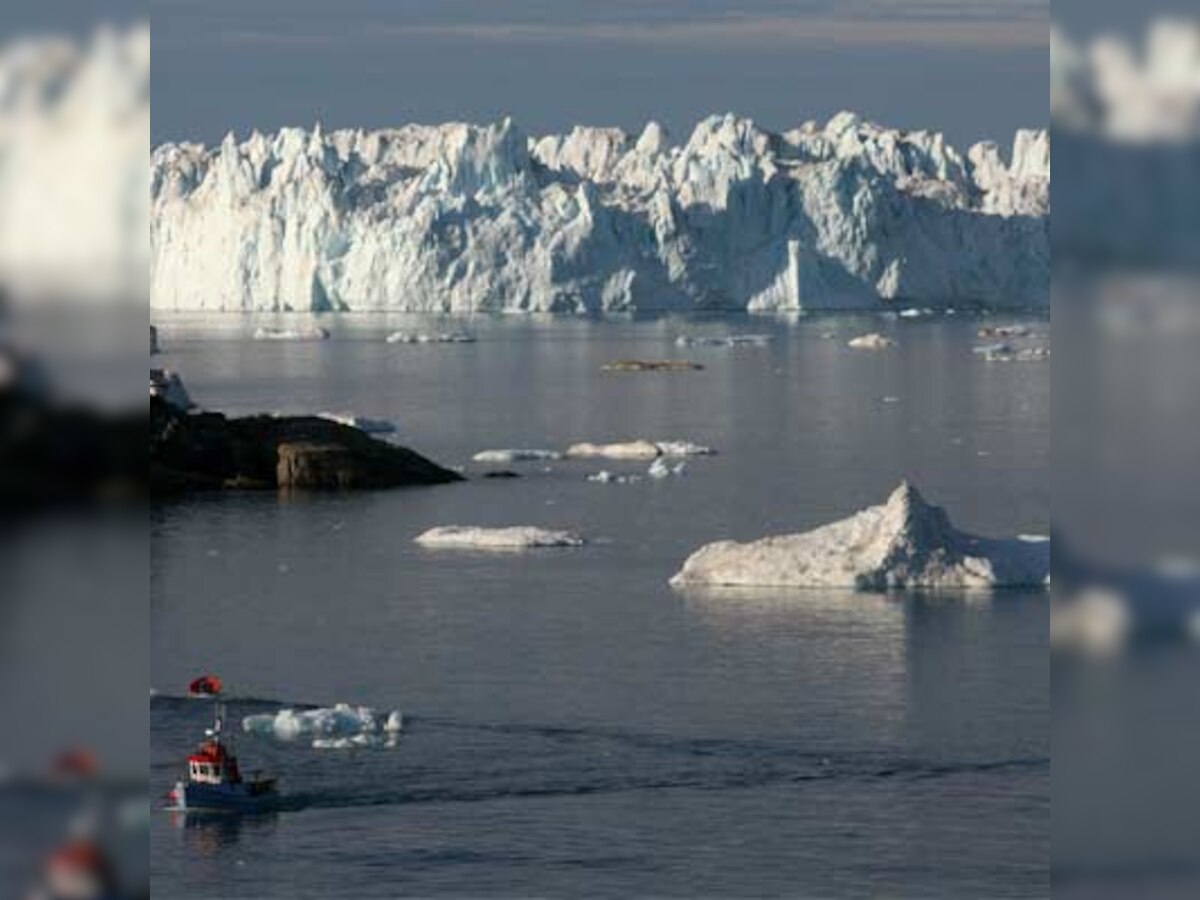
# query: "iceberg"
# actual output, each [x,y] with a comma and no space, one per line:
[606,477]
[337,727]
[732,341]
[307,333]
[905,543]
[637,450]
[872,341]
[640,449]
[463,218]
[362,423]
[507,457]
[1098,622]
[517,537]
[449,337]
[660,469]
[684,448]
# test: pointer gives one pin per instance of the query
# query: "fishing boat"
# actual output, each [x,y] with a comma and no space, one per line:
[214,780]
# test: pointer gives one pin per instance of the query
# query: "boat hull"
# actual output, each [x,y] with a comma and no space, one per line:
[244,797]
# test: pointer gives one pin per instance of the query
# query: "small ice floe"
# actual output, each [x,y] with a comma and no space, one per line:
[903,544]
[445,337]
[684,448]
[1097,622]
[660,469]
[306,333]
[606,477]
[872,341]
[514,537]
[652,365]
[1005,353]
[730,342]
[362,423]
[1004,331]
[168,387]
[338,727]
[510,456]
[916,312]
[639,449]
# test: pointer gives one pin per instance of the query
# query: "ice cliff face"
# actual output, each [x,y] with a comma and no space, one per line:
[1127,116]
[74,131]
[464,218]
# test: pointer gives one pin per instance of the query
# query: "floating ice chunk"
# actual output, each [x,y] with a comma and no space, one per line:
[660,468]
[990,349]
[606,477]
[652,365]
[916,312]
[904,544]
[446,337]
[1098,622]
[684,448]
[1004,331]
[872,341]
[639,449]
[362,423]
[1005,353]
[306,333]
[506,457]
[515,537]
[730,342]
[334,727]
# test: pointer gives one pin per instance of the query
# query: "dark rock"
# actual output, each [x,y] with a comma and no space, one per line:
[501,474]
[207,450]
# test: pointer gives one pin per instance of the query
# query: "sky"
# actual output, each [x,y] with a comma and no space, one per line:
[972,68]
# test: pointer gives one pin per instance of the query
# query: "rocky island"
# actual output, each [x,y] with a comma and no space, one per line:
[192,451]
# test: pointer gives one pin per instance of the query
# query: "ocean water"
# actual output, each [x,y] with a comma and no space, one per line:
[573,725]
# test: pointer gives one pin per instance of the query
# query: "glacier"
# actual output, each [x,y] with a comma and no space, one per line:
[463,218]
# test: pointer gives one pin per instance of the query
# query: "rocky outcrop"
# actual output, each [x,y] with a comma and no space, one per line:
[904,544]
[210,451]
[466,218]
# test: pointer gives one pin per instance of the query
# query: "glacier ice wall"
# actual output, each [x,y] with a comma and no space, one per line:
[464,218]
[74,133]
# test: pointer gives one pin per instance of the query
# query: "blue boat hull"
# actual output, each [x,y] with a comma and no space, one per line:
[251,797]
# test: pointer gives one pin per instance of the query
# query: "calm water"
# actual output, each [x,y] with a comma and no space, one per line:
[574,726]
